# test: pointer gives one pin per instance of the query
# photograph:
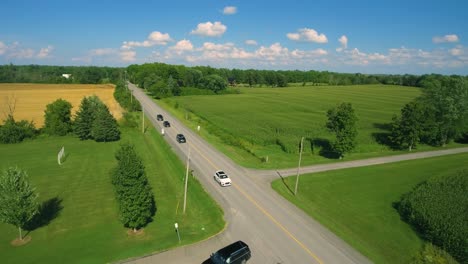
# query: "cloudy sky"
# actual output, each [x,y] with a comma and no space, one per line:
[410,36]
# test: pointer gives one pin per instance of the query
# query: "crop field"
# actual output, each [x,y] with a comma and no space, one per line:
[30,100]
[357,204]
[262,127]
[82,222]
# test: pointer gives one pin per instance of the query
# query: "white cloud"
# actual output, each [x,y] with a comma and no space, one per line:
[102,52]
[446,38]
[458,51]
[218,47]
[16,51]
[45,52]
[182,46]
[230,10]
[209,29]
[308,35]
[3,48]
[251,42]
[127,55]
[154,38]
[344,43]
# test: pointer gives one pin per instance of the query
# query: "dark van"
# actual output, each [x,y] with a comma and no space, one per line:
[237,252]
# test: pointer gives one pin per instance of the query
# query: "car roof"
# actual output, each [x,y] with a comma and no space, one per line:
[228,250]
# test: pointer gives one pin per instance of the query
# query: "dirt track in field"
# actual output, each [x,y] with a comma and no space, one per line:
[30,100]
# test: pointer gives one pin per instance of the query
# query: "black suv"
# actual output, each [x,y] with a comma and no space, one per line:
[166,124]
[237,252]
[159,118]
[180,138]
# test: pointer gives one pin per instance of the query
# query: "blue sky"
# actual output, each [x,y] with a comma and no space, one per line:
[396,36]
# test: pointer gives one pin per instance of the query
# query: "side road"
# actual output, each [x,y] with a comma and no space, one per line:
[270,175]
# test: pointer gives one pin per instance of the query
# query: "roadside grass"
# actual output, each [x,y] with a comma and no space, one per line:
[262,127]
[357,204]
[87,228]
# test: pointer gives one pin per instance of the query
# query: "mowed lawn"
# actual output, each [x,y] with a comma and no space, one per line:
[264,118]
[87,229]
[30,99]
[357,204]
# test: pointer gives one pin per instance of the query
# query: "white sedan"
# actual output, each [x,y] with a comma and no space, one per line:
[222,178]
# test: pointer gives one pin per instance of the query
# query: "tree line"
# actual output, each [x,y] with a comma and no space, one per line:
[53,74]
[437,117]
[93,120]
[167,80]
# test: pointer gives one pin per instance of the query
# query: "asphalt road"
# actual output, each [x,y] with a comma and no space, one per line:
[275,230]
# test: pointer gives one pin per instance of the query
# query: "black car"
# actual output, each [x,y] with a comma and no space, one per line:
[237,252]
[180,138]
[159,118]
[166,124]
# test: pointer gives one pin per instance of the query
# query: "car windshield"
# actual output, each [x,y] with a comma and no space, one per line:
[223,176]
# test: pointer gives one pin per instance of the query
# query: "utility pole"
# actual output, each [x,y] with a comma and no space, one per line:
[143,119]
[186,179]
[299,166]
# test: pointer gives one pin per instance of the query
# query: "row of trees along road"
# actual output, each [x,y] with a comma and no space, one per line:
[134,195]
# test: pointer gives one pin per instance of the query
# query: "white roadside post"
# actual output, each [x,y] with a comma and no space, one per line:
[177,230]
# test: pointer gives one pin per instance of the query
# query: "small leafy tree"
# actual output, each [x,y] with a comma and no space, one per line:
[408,129]
[15,132]
[18,201]
[342,121]
[134,194]
[104,127]
[57,118]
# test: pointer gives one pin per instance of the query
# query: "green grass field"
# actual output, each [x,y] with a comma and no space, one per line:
[256,124]
[356,204]
[87,229]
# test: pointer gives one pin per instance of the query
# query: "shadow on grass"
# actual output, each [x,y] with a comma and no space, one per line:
[48,211]
[383,138]
[325,147]
[285,183]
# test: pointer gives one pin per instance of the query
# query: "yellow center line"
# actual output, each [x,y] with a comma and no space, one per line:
[265,212]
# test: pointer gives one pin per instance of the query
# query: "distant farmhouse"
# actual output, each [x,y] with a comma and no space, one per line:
[66,75]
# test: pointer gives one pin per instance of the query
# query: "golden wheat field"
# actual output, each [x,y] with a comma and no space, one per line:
[30,100]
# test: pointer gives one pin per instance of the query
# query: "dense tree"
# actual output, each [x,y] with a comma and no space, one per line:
[84,119]
[57,118]
[408,129]
[104,127]
[15,132]
[94,121]
[123,96]
[342,121]
[447,98]
[213,82]
[134,194]
[18,201]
